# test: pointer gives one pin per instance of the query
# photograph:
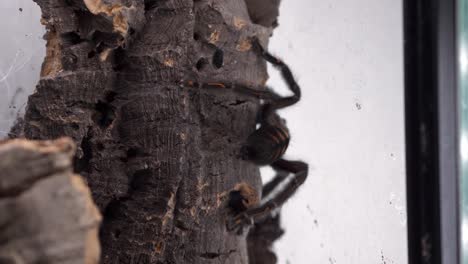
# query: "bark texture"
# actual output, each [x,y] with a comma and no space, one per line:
[159,158]
[48,215]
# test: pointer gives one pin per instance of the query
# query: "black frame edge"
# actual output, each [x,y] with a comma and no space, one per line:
[431,131]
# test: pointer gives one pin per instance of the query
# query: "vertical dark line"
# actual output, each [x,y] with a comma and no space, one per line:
[431,129]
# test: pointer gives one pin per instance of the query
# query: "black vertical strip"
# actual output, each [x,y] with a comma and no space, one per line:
[430,120]
[421,131]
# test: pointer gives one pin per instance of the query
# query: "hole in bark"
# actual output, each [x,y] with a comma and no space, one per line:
[105,112]
[75,126]
[100,47]
[237,102]
[131,31]
[110,96]
[91,54]
[150,4]
[83,164]
[112,209]
[120,62]
[242,197]
[133,153]
[33,113]
[201,63]
[104,115]
[218,58]
[140,179]
[70,59]
[181,225]
[117,233]
[196,36]
[70,38]
[210,255]
[100,146]
[236,201]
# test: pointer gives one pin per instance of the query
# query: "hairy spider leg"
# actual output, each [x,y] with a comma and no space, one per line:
[285,73]
[299,170]
[265,93]
[275,100]
[274,183]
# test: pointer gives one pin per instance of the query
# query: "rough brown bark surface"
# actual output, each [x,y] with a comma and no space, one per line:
[47,213]
[159,158]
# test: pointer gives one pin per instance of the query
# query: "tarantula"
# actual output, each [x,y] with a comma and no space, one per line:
[267,144]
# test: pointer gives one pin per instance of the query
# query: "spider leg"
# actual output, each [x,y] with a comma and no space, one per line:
[275,100]
[299,169]
[260,93]
[274,183]
[285,73]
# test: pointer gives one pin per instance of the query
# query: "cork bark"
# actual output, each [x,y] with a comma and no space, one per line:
[160,158]
[47,213]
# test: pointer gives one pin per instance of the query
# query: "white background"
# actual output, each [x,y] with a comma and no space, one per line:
[348,58]
[22,51]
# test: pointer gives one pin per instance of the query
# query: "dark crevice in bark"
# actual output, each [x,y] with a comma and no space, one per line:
[83,164]
[112,210]
[71,38]
[201,64]
[181,225]
[105,111]
[237,202]
[104,115]
[218,58]
[151,4]
[133,153]
[213,255]
[139,180]
[238,102]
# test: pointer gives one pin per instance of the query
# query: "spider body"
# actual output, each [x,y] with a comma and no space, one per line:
[265,146]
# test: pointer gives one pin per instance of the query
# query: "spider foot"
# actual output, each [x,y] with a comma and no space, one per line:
[239,222]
